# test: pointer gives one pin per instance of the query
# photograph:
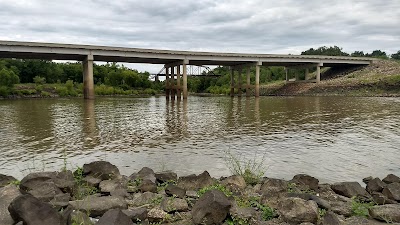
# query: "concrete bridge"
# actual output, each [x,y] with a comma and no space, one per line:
[175,62]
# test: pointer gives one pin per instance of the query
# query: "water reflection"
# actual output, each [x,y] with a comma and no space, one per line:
[334,139]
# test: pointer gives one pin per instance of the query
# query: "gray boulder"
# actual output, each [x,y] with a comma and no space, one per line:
[136,214]
[387,213]
[156,215]
[173,190]
[211,208]
[6,180]
[140,199]
[166,176]
[234,182]
[114,217]
[144,174]
[32,211]
[91,181]
[33,180]
[174,205]
[330,218]
[297,210]
[306,182]
[102,170]
[148,186]
[7,195]
[193,182]
[391,178]
[65,181]
[381,199]
[375,185]
[107,186]
[45,191]
[97,206]
[392,191]
[349,189]
[272,186]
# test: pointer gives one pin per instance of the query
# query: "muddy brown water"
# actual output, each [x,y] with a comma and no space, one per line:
[331,138]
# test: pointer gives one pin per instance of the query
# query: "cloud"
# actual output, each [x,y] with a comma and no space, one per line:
[253,26]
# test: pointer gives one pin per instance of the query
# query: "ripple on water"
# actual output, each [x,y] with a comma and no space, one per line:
[334,139]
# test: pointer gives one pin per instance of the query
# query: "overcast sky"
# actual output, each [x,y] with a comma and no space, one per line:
[249,26]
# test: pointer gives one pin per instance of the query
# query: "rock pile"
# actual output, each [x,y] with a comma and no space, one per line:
[98,194]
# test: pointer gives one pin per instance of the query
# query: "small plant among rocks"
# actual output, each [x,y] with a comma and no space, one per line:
[220,187]
[252,170]
[361,208]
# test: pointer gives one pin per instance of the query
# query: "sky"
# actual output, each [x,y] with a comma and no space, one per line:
[250,26]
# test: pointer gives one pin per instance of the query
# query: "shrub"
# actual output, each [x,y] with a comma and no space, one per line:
[252,170]
[39,80]
[361,208]
[4,91]
[214,187]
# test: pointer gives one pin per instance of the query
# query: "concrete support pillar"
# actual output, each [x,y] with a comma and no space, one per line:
[318,73]
[157,78]
[297,75]
[257,94]
[307,74]
[88,82]
[232,82]
[172,82]
[248,82]
[178,81]
[185,90]
[287,75]
[240,83]
[167,89]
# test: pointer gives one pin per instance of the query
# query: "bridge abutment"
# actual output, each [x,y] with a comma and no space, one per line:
[88,81]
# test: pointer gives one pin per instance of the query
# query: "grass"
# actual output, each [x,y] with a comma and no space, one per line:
[360,208]
[220,187]
[252,170]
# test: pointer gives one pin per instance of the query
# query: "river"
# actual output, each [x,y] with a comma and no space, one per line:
[331,138]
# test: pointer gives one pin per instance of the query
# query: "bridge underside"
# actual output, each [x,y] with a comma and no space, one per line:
[175,62]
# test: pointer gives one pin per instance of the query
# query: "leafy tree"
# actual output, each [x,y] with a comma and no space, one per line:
[358,54]
[396,55]
[378,54]
[331,51]
[8,78]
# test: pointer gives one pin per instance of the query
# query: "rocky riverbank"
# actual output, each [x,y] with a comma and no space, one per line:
[98,194]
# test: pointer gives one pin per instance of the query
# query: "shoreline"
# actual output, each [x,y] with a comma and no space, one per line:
[97,192]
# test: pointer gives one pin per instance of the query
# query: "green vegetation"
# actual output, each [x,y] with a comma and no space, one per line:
[360,208]
[83,189]
[220,187]
[252,170]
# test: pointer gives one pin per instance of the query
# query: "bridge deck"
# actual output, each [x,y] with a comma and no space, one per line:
[53,51]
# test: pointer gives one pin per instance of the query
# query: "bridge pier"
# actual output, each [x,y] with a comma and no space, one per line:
[167,90]
[178,81]
[184,75]
[307,74]
[248,82]
[240,82]
[172,82]
[318,73]
[232,82]
[257,92]
[88,82]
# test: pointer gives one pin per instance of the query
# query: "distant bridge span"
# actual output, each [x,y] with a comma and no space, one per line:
[175,62]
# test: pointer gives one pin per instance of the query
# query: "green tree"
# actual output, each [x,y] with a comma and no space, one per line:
[8,78]
[396,55]
[331,51]
[358,54]
[378,54]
